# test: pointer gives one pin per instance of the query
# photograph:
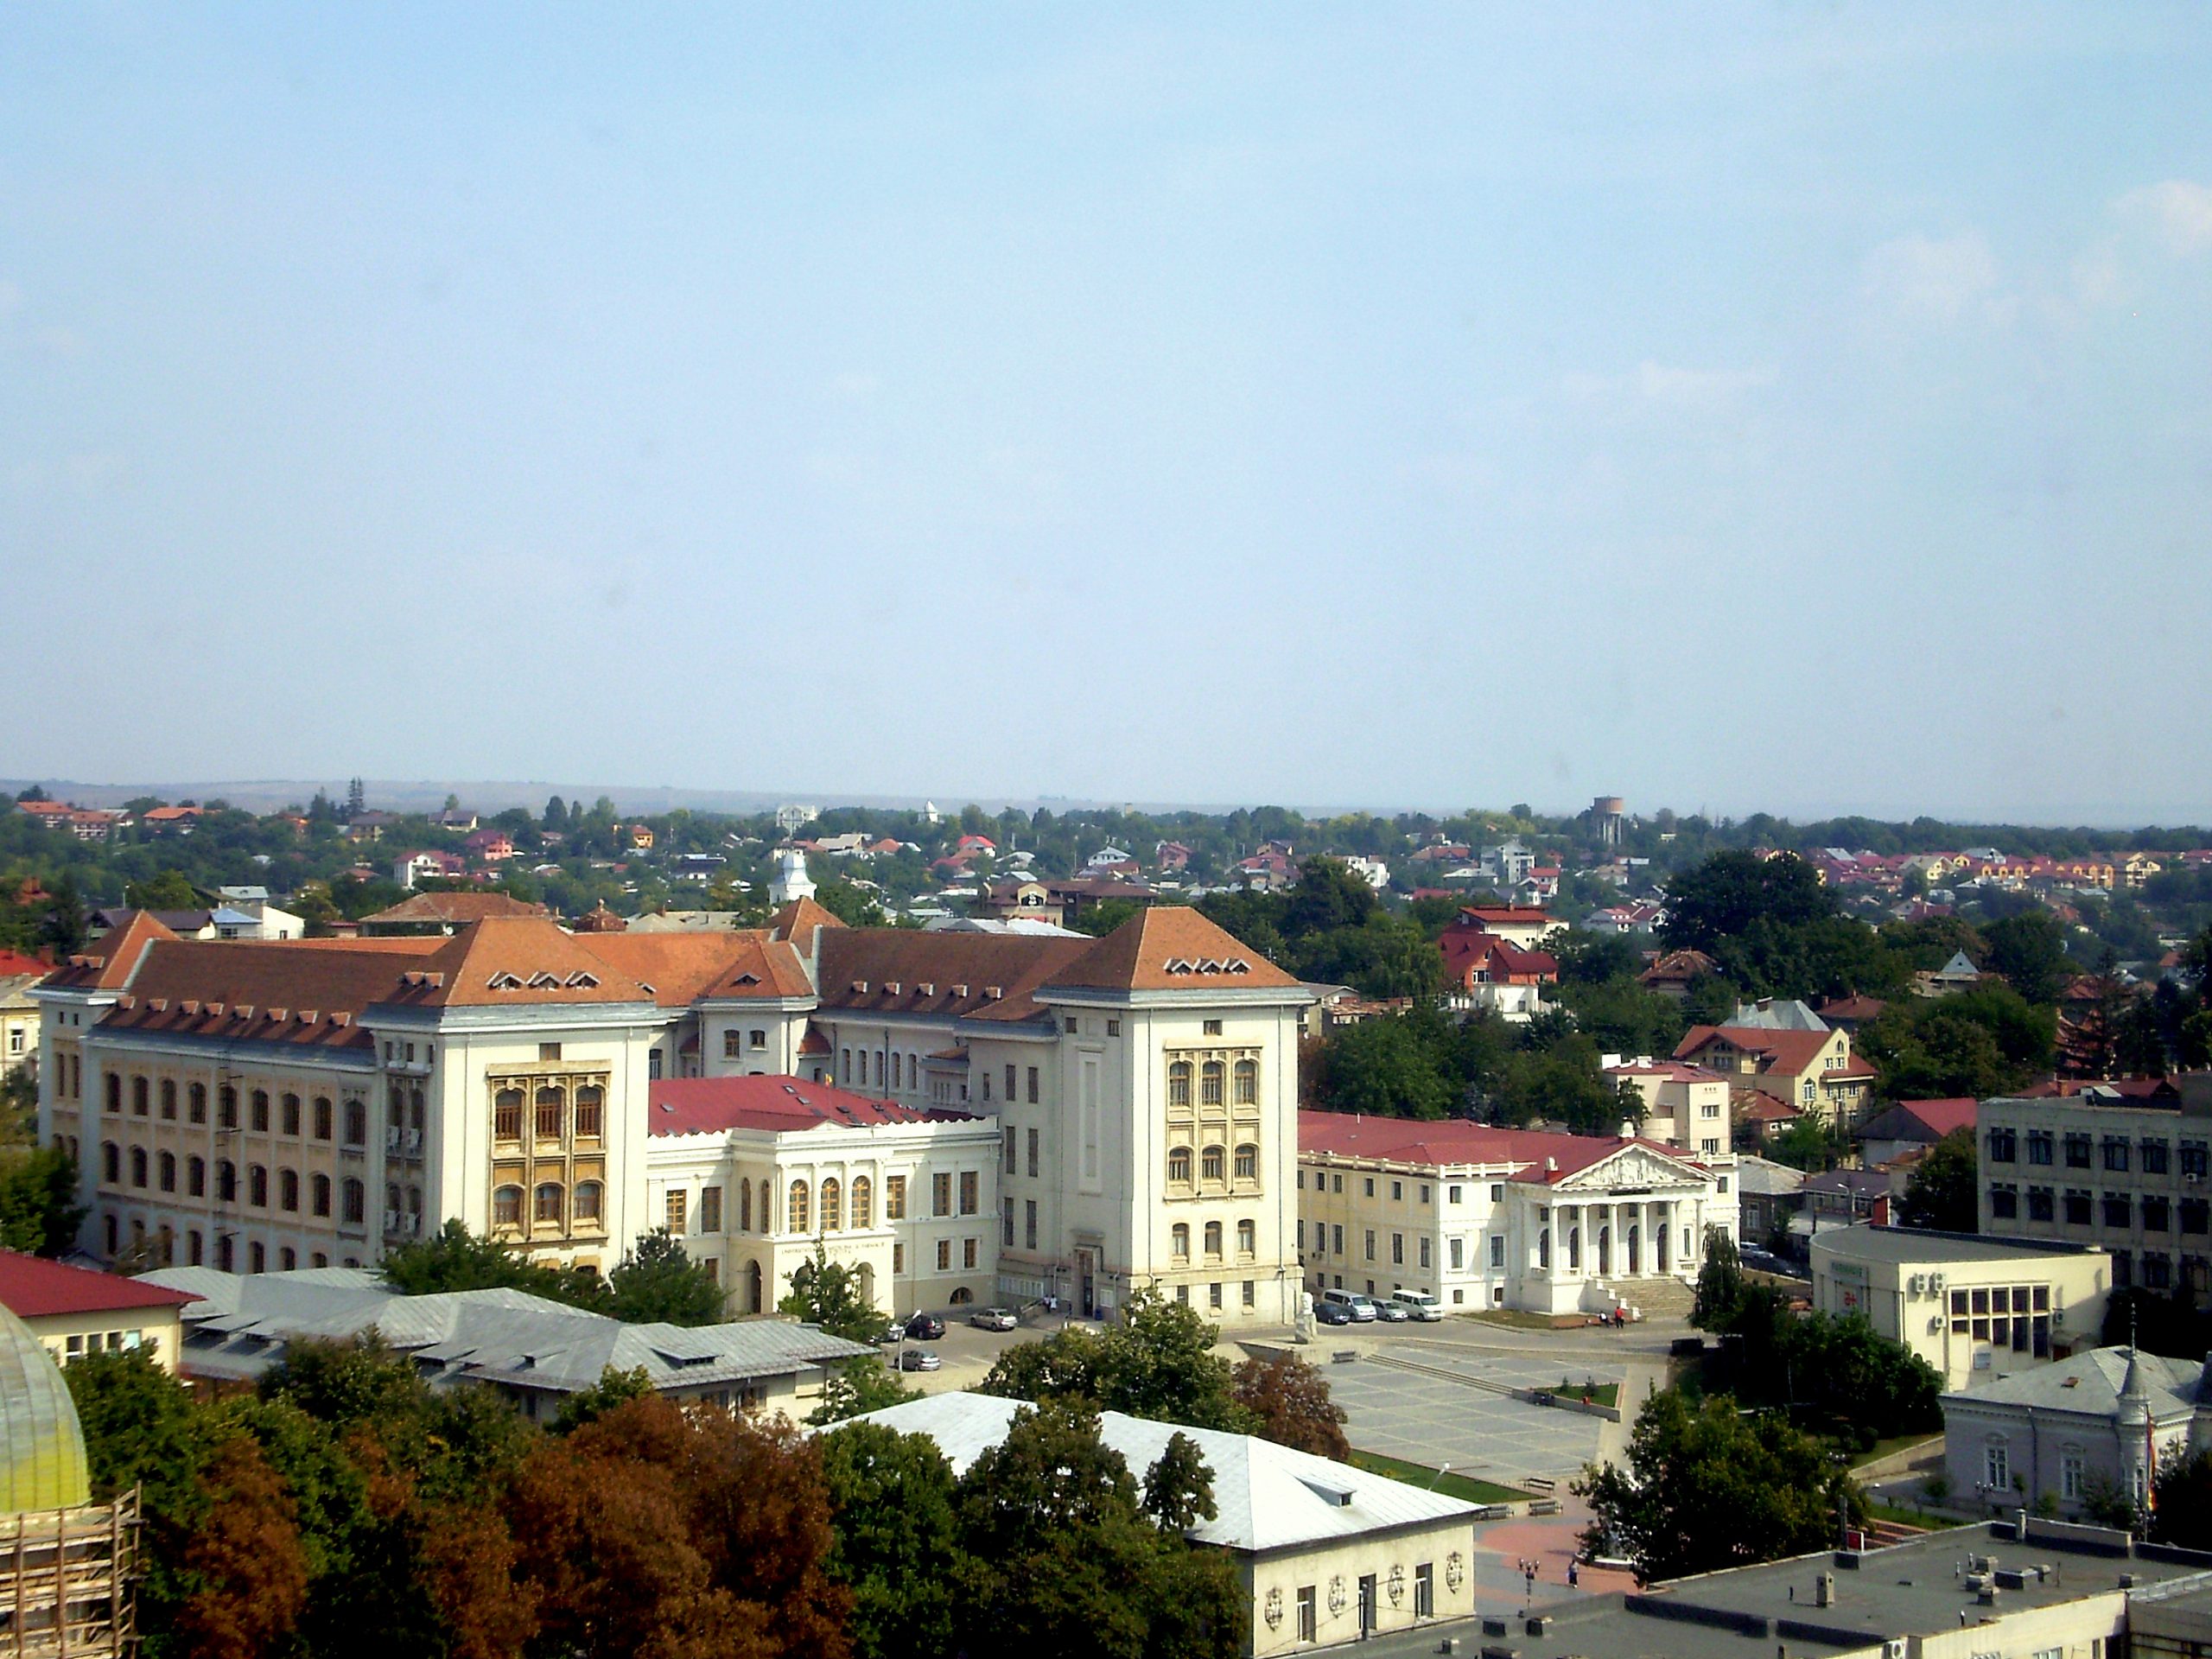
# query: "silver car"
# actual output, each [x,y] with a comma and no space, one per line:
[993,1318]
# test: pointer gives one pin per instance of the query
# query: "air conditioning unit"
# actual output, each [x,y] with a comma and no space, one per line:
[1936,1326]
[414,1143]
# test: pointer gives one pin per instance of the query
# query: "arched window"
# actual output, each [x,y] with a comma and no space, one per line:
[1213,1239]
[288,1258]
[288,1190]
[256,1186]
[549,1114]
[798,1207]
[833,1205]
[353,1202]
[1180,1235]
[290,1115]
[391,1197]
[1178,1165]
[1210,1163]
[1247,1162]
[587,1203]
[322,1117]
[195,1249]
[415,1110]
[168,1098]
[195,1178]
[863,1204]
[137,1166]
[745,1206]
[226,1100]
[257,1257]
[168,1177]
[138,1096]
[591,1112]
[259,1101]
[319,1194]
[225,1254]
[506,1114]
[506,1206]
[414,1200]
[1179,1085]
[111,1163]
[227,1182]
[357,1122]
[195,1102]
[115,1091]
[1211,1078]
[1248,1082]
[546,1204]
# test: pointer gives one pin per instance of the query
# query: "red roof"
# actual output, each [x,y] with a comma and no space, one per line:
[1535,1154]
[13,964]
[30,1286]
[710,1105]
[1943,1115]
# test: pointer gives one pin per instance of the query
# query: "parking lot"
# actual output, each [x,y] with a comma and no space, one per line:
[1434,1420]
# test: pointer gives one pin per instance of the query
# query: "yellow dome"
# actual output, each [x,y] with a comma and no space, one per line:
[41,1446]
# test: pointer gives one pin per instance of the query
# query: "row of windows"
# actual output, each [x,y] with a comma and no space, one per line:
[287,1118]
[160,1246]
[906,1070]
[550,1114]
[2115,1152]
[551,1204]
[1329,1241]
[163,1172]
[1212,1077]
[1213,1163]
[1012,1150]
[1214,1294]
[1455,1193]
[733,1042]
[2083,1209]
[1178,1238]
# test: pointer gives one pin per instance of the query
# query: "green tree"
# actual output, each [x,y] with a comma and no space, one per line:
[169,890]
[1328,896]
[1381,1067]
[2029,949]
[1706,1489]
[859,1386]
[2181,1509]
[615,1389]
[1291,1400]
[897,1545]
[1942,1189]
[828,1294]
[1719,1283]
[1156,1362]
[39,1211]
[656,1282]
[1179,1488]
[1721,899]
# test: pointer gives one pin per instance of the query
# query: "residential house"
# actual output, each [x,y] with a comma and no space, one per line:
[1841,1198]
[428,865]
[1912,1126]
[18,1014]
[1674,972]
[2098,1426]
[1524,926]
[75,1311]
[1848,1013]
[1170,857]
[1767,1195]
[1643,916]
[443,914]
[172,820]
[490,846]
[1484,971]
[1957,975]
[86,824]
[1786,1050]
[1685,1106]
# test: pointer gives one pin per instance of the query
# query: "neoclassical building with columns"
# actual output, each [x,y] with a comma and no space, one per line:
[1480,1217]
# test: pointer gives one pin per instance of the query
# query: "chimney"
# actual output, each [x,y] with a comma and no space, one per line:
[1824,1590]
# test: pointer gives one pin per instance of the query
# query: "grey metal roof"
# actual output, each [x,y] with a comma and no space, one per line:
[1267,1497]
[2091,1382]
[239,1326]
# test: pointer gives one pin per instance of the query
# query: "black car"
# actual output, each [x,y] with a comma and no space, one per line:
[924,1327]
[1332,1313]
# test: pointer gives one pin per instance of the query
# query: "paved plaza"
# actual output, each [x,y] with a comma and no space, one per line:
[1434,1420]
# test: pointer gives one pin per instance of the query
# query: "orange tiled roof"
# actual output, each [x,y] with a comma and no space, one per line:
[108,962]
[1170,948]
[455,907]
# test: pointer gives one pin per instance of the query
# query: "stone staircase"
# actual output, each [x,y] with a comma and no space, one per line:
[1659,1298]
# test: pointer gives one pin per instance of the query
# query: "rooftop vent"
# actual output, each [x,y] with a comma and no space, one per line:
[960,990]
[158,1004]
[126,1000]
[926,988]
[994,992]
[243,1010]
[582,980]
[280,1015]
[189,1006]
[860,988]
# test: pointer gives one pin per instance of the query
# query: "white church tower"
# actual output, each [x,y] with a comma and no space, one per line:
[790,880]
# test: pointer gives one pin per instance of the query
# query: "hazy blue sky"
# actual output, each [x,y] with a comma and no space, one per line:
[1806,407]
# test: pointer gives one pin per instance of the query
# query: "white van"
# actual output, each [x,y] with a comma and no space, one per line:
[1360,1305]
[1418,1304]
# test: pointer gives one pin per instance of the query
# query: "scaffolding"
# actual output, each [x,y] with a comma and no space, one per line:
[65,1580]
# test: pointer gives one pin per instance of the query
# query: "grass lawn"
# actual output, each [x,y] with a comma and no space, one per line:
[1905,1516]
[1895,1443]
[1604,1393]
[1515,1319]
[1415,1474]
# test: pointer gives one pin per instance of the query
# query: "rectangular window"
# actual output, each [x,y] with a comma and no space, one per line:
[1397,1250]
[1029,1224]
[1032,1153]
[1424,1254]
[678,1202]
[1012,1146]
[944,1255]
[2196,1214]
[2039,1204]
[968,1253]
[1213,1027]
[2004,1202]
[1497,1251]
[1247,1243]
[2077,1151]
[1006,1223]
[1451,1194]
[1251,1293]
[1397,1191]
[2115,1151]
[1010,1080]
[2154,1157]
[1308,1619]
[970,1189]
[2039,1146]
[2077,1208]
[2003,1147]
[894,1198]
[548,1053]
[941,1194]
[710,1209]
[1213,1295]
[1033,1085]
[2157,1215]
[1336,1241]
[730,1048]
[2119,1210]
[898,1259]
[1370,1243]
[1424,1590]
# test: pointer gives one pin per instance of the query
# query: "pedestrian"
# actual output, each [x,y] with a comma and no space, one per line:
[1574,1572]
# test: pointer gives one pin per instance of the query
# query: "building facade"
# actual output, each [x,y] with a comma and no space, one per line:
[260,1107]
[1478,1217]
[2130,1176]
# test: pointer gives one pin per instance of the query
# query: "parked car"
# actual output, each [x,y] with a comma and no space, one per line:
[1327,1313]
[1360,1306]
[919,1359]
[993,1318]
[1394,1312]
[890,1333]
[1418,1304]
[924,1327]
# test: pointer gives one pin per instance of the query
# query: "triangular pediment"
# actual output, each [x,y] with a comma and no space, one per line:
[1632,1165]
